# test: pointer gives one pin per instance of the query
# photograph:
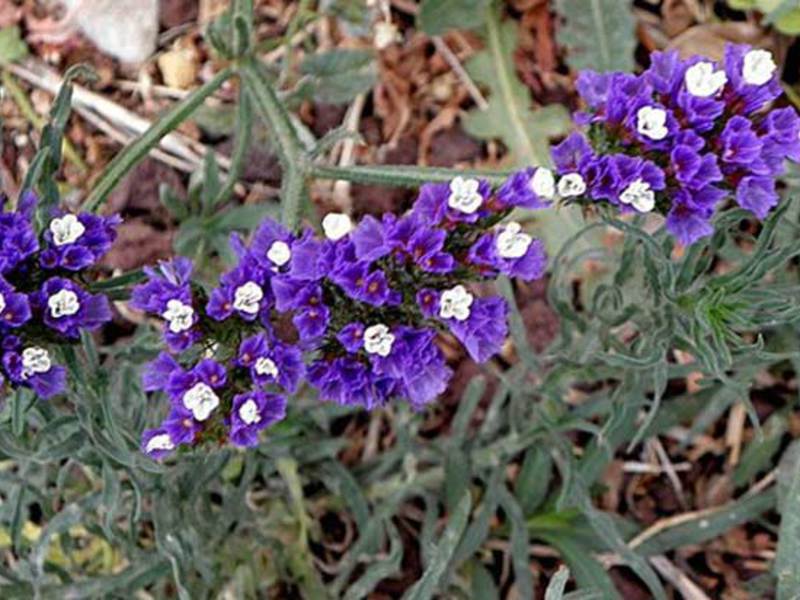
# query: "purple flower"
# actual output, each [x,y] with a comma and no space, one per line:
[182,426]
[415,363]
[461,200]
[311,258]
[272,246]
[33,367]
[157,373]
[510,251]
[692,169]
[243,291]
[271,362]
[252,412]
[752,78]
[740,144]
[17,238]
[360,283]
[532,188]
[196,390]
[15,309]
[571,154]
[168,294]
[67,308]
[351,336]
[348,381]
[369,238]
[480,324]
[757,194]
[76,242]
[157,443]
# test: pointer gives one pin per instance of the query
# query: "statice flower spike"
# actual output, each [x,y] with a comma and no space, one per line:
[41,310]
[687,135]
[355,313]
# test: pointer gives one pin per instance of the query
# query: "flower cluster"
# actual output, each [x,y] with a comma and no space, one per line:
[355,313]
[43,302]
[679,139]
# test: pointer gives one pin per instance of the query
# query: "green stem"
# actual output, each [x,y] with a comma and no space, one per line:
[273,112]
[402,175]
[244,134]
[290,151]
[127,159]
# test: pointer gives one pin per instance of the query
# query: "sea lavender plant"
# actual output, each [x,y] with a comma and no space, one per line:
[355,314]
[44,303]
[678,139]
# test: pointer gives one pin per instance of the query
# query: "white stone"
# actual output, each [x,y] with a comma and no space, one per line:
[703,81]
[178,315]
[160,442]
[279,253]
[465,195]
[512,242]
[543,183]
[201,401]
[248,412]
[247,297]
[35,360]
[455,303]
[66,230]
[639,195]
[378,340]
[2,303]
[570,185]
[651,122]
[336,226]
[266,366]
[758,67]
[63,303]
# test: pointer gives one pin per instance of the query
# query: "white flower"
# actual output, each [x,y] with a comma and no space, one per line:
[266,366]
[200,400]
[758,67]
[378,340]
[178,315]
[465,195]
[543,183]
[66,230]
[2,303]
[512,242]
[639,195]
[651,122]
[279,253]
[35,360]
[703,81]
[455,303]
[162,441]
[336,226]
[571,184]
[63,303]
[248,412]
[247,297]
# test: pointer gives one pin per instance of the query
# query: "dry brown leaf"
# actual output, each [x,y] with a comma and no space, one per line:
[709,39]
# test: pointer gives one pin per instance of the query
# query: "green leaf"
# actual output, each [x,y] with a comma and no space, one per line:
[708,525]
[557,585]
[431,579]
[785,567]
[342,74]
[437,16]
[598,34]
[12,46]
